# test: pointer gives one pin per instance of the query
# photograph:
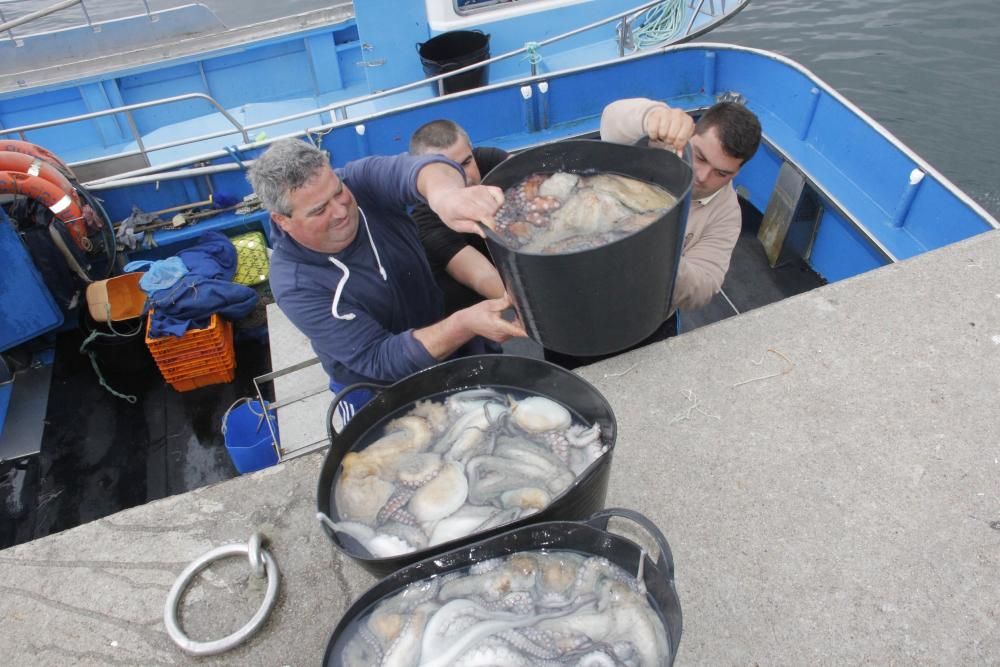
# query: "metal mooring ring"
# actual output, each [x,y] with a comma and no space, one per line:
[269,569]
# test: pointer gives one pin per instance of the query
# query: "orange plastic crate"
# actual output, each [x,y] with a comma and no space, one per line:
[215,332]
[194,369]
[199,358]
[204,380]
[192,354]
[184,344]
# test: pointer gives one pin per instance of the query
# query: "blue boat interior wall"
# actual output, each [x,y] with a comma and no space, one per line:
[880,202]
[871,214]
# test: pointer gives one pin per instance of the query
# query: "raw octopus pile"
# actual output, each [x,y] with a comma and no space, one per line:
[564,212]
[477,460]
[529,608]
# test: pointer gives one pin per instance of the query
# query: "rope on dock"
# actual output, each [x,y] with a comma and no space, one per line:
[785,371]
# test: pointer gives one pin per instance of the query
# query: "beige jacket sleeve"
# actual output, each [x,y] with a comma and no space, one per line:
[712,232]
[622,122]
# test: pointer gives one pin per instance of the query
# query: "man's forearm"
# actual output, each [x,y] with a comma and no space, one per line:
[622,121]
[437,177]
[472,269]
[490,285]
[443,338]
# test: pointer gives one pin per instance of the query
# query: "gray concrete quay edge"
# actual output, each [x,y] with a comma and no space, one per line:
[826,470]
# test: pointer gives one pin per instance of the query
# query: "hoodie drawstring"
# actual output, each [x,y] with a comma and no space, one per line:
[340,289]
[347,272]
[371,241]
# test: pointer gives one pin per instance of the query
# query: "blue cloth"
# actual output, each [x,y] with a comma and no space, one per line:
[214,257]
[207,288]
[377,344]
[162,274]
[137,265]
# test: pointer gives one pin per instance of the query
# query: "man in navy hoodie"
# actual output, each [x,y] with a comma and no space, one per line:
[348,268]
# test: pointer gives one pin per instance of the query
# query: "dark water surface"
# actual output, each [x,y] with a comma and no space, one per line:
[926,70]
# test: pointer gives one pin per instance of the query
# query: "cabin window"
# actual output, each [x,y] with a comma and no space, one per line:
[470,6]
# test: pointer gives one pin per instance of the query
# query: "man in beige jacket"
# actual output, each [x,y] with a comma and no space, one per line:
[726,136]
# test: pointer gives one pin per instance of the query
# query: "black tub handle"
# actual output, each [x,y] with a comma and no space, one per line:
[666,559]
[688,159]
[330,433]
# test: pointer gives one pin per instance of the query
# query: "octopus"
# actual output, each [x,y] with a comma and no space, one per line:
[564,212]
[446,468]
[529,608]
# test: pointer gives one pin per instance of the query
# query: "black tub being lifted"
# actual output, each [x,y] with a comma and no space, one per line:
[605,299]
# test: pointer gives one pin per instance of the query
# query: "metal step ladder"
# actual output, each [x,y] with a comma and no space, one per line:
[301,389]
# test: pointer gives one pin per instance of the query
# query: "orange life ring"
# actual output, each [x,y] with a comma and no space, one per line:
[34,166]
[64,204]
[27,148]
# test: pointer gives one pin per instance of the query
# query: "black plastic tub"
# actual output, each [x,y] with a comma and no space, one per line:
[505,372]
[454,50]
[600,300]
[590,537]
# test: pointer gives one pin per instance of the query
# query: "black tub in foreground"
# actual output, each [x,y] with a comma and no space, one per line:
[503,372]
[604,299]
[588,538]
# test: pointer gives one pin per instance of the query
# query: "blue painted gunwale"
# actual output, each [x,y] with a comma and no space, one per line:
[860,169]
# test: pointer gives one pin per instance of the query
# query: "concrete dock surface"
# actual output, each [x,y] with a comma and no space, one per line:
[826,470]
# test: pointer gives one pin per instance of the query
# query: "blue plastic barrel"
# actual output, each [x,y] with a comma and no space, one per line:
[248,439]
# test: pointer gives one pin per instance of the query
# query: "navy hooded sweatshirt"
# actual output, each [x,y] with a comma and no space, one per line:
[359,307]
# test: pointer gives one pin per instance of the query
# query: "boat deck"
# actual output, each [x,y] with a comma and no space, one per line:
[100,454]
[825,469]
[750,282]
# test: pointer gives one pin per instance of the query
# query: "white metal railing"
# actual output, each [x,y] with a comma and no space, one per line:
[6,26]
[129,108]
[338,110]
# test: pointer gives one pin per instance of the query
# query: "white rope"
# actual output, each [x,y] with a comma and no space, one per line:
[659,24]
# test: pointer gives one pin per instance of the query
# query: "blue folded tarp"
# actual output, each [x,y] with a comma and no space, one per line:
[205,289]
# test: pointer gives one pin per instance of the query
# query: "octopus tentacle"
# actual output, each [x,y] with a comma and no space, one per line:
[544,650]
[395,503]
